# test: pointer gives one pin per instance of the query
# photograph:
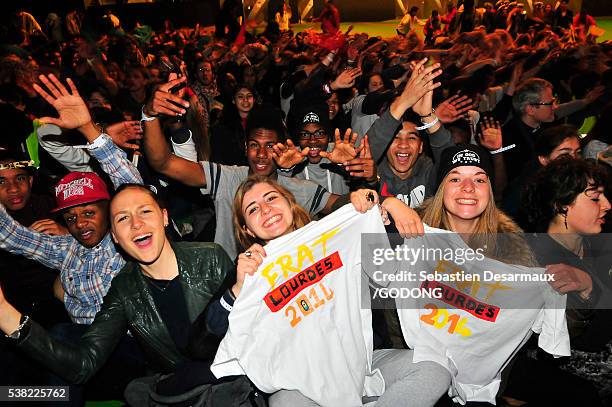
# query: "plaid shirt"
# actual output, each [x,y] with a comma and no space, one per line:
[85,273]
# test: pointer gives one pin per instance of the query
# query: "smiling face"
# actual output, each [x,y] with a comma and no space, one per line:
[467,193]
[87,223]
[259,151]
[587,214]
[404,150]
[15,188]
[313,135]
[244,101]
[137,224]
[334,105]
[266,212]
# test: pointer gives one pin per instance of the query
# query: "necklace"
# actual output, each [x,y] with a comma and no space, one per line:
[161,285]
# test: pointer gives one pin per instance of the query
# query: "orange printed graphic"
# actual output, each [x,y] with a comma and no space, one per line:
[439,318]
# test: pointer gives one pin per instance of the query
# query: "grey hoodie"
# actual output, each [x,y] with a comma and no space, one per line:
[421,183]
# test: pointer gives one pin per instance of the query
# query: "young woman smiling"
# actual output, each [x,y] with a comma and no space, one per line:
[263,211]
[157,296]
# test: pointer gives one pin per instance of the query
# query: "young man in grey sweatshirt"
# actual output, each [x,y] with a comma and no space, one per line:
[405,172]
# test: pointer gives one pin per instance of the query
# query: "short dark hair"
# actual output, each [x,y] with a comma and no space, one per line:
[552,137]
[557,185]
[241,86]
[142,69]
[268,118]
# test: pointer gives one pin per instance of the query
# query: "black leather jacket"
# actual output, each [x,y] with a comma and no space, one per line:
[129,305]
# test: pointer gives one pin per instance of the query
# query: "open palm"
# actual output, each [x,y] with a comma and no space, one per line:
[69,105]
[344,149]
[287,155]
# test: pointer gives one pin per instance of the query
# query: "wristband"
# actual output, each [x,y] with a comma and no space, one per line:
[426,126]
[145,118]
[286,170]
[329,58]
[225,305]
[501,150]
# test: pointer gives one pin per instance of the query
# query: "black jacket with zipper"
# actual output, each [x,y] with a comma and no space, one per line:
[130,305]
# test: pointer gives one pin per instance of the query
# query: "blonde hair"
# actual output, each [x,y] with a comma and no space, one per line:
[490,222]
[300,216]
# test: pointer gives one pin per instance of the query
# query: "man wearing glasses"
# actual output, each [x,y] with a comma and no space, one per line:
[310,129]
[534,107]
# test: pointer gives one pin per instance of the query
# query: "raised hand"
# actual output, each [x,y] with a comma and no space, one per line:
[69,105]
[595,94]
[123,133]
[490,133]
[421,82]
[517,73]
[288,155]
[364,165]
[346,79]
[49,227]
[344,149]
[166,103]
[453,108]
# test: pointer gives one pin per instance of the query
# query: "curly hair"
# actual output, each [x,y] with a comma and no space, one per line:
[556,186]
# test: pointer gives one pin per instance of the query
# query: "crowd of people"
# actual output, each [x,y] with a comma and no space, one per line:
[143,172]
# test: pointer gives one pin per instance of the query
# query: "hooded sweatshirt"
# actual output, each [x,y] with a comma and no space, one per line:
[422,181]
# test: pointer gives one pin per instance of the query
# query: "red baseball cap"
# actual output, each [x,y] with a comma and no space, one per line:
[79,188]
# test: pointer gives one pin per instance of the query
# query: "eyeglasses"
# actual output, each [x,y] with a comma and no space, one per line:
[318,135]
[552,102]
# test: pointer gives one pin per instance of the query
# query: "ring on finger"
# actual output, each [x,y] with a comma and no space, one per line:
[248,253]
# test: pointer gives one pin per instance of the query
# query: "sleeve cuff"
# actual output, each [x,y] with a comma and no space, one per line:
[227,300]
[102,139]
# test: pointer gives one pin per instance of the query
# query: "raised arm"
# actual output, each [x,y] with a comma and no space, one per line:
[17,239]
[74,363]
[73,114]
[420,83]
[157,152]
